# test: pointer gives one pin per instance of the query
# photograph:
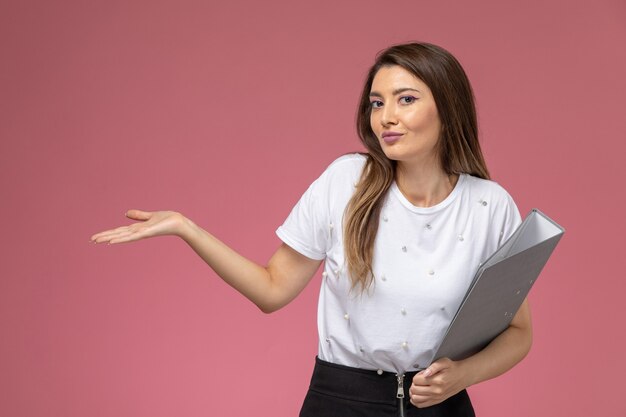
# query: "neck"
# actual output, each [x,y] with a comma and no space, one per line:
[424,185]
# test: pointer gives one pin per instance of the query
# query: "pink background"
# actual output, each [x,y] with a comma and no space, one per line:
[226,112]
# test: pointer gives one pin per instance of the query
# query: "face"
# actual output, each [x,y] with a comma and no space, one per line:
[404,116]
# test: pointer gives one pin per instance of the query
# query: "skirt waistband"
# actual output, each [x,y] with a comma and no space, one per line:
[360,384]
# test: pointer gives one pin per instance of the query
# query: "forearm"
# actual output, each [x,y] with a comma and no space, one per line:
[252,280]
[445,377]
[504,352]
[269,287]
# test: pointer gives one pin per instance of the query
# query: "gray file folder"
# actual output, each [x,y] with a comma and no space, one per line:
[500,286]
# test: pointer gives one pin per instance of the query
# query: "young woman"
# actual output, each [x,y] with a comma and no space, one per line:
[401,230]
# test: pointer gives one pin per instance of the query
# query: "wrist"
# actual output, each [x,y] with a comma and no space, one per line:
[186,228]
[469,371]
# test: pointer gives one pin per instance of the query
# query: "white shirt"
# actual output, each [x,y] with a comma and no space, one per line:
[424,261]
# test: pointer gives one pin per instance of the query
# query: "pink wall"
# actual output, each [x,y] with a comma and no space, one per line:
[226,112]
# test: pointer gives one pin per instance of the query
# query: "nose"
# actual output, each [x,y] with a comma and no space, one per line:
[388,115]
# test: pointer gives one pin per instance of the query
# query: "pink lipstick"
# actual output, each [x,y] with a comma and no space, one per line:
[391,137]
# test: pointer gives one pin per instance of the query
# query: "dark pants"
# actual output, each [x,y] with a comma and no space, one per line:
[342,391]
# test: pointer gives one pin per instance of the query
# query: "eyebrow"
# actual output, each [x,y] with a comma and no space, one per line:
[395,92]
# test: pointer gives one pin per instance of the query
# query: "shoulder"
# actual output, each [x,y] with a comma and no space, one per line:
[338,177]
[487,190]
[345,169]
[501,211]
[347,164]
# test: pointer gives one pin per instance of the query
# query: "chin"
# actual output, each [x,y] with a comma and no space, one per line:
[394,154]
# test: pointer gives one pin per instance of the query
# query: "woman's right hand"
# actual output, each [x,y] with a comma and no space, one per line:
[151,223]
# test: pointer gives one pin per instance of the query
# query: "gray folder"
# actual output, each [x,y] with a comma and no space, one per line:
[500,286]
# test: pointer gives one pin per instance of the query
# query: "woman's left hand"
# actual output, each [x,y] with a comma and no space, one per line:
[445,378]
[440,381]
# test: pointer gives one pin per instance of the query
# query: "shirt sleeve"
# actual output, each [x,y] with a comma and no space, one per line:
[511,219]
[307,228]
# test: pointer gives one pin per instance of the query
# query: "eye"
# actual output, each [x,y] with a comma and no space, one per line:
[376,104]
[407,99]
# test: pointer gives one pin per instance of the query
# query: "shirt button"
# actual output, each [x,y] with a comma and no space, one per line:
[379,372]
[403,311]
[346,316]
[404,249]
[431,272]
[405,345]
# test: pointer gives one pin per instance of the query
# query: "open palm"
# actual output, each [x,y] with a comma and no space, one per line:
[155,223]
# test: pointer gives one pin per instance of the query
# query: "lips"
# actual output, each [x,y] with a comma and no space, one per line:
[391,137]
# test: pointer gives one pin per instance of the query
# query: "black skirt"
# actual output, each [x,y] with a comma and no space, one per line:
[342,391]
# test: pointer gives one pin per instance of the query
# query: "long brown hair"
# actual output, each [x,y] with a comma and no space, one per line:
[458,145]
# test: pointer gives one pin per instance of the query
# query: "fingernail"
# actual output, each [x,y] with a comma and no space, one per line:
[427,372]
